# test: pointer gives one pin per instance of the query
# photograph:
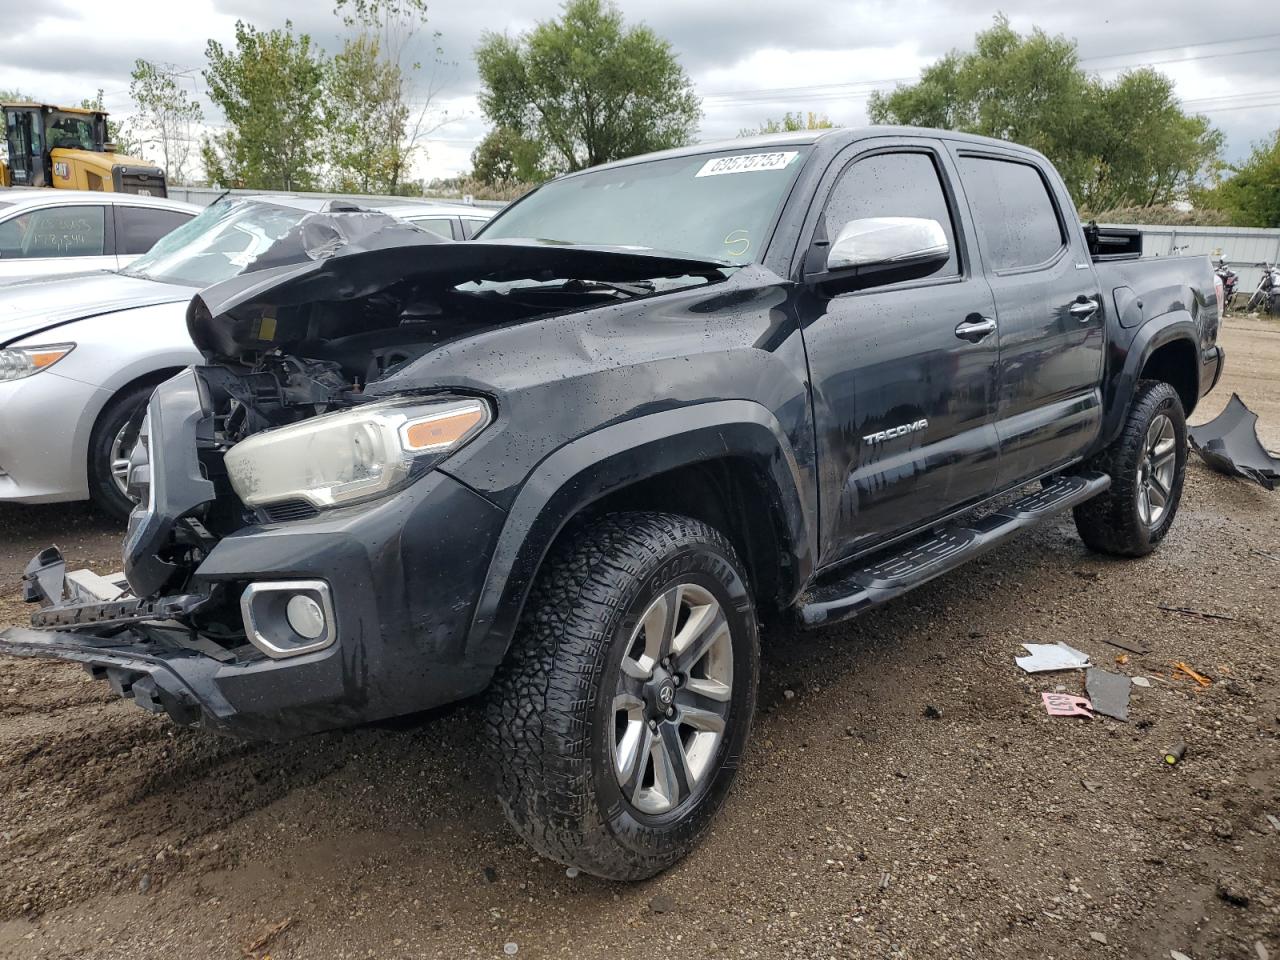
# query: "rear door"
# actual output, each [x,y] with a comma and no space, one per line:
[1049,307]
[903,375]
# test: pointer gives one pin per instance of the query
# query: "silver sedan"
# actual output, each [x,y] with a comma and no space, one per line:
[81,354]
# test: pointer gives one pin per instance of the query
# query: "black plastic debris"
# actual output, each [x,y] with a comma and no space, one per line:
[1229,444]
[1108,692]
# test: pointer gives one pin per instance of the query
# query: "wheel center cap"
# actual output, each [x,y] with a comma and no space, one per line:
[661,692]
[667,693]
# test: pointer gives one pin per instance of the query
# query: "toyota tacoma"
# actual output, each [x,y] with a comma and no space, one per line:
[573,463]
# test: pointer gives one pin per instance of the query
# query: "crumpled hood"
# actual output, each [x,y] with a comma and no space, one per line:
[42,303]
[347,256]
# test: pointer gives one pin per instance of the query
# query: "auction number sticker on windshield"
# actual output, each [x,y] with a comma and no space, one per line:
[746,163]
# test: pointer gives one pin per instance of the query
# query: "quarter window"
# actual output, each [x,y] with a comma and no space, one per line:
[1013,211]
[138,228]
[440,226]
[70,231]
[892,185]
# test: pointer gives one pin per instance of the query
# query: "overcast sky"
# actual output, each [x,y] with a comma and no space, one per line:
[749,60]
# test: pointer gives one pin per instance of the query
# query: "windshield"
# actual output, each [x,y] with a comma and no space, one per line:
[716,206]
[221,243]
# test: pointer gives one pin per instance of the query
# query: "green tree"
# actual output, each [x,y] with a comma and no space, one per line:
[269,89]
[505,158]
[164,115]
[14,95]
[119,134]
[790,123]
[589,87]
[1250,194]
[391,83]
[364,119]
[1123,143]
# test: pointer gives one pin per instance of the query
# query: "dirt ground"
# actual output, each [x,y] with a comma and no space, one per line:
[904,796]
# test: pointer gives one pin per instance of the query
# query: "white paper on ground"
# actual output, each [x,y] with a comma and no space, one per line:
[1051,656]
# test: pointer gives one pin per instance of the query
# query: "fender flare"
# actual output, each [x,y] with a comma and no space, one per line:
[587,469]
[1148,338]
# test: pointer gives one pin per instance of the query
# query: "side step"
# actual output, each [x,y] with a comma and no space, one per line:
[906,566]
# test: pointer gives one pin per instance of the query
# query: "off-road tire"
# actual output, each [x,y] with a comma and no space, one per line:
[127,406]
[1111,523]
[550,721]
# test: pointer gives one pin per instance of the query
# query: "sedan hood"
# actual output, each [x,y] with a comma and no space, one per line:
[31,306]
[360,256]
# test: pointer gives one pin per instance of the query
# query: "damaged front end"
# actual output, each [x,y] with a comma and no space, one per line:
[296,562]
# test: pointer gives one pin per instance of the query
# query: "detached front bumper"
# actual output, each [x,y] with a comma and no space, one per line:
[403,576]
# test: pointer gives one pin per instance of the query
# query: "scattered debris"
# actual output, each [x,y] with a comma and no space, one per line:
[1098,937]
[1229,444]
[1133,646]
[1178,955]
[1108,692]
[144,885]
[884,881]
[511,948]
[1175,753]
[1274,821]
[1122,659]
[1228,890]
[1192,612]
[788,694]
[1065,705]
[1091,786]
[1180,667]
[572,872]
[1051,656]
[490,875]
[1269,555]
[1140,681]
[932,713]
[260,944]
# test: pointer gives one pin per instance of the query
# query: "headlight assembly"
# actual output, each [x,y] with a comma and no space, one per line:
[355,455]
[17,363]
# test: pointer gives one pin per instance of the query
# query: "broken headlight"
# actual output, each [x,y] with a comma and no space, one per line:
[358,454]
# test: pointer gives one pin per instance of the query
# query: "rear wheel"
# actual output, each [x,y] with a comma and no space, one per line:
[618,722]
[1147,464]
[110,445]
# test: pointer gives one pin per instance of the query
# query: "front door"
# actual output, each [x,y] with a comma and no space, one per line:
[25,142]
[1051,314]
[903,375]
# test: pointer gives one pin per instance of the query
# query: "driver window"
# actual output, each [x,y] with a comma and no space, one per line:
[892,185]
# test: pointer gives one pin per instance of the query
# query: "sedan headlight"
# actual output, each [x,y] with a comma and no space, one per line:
[17,363]
[355,455]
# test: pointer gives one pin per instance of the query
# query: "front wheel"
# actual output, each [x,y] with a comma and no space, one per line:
[110,445]
[1147,464]
[618,722]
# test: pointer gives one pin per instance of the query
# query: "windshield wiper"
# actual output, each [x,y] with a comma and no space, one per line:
[639,288]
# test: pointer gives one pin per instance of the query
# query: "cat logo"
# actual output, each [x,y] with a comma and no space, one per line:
[882,435]
[62,170]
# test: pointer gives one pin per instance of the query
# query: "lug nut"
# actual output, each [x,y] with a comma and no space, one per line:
[653,725]
[671,712]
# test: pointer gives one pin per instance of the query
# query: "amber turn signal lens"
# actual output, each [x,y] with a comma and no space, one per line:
[443,430]
[47,358]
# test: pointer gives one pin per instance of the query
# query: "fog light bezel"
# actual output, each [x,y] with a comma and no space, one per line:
[270,642]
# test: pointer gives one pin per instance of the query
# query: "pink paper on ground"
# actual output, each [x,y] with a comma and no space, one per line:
[1065,705]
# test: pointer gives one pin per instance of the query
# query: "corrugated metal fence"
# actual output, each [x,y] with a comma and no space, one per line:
[206,195]
[1246,249]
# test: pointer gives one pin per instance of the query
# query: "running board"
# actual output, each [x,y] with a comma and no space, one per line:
[892,573]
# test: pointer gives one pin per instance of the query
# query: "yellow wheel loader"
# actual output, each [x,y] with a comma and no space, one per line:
[67,147]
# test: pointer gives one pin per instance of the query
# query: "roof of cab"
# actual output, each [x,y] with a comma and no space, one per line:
[837,136]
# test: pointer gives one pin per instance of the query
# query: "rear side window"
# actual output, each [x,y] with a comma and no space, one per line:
[70,231]
[472,225]
[440,226]
[1013,211]
[138,228]
[892,185]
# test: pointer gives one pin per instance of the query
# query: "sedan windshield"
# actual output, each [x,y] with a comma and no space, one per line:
[714,206]
[221,243]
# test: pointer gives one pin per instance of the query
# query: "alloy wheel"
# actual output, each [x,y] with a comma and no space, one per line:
[672,698]
[1156,468]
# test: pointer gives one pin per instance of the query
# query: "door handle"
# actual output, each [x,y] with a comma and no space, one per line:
[975,330]
[1083,309]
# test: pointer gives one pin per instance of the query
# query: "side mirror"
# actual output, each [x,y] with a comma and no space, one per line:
[888,249]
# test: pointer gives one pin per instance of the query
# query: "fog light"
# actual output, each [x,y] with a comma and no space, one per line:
[286,618]
[305,616]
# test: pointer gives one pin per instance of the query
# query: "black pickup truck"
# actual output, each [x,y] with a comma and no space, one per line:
[575,462]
